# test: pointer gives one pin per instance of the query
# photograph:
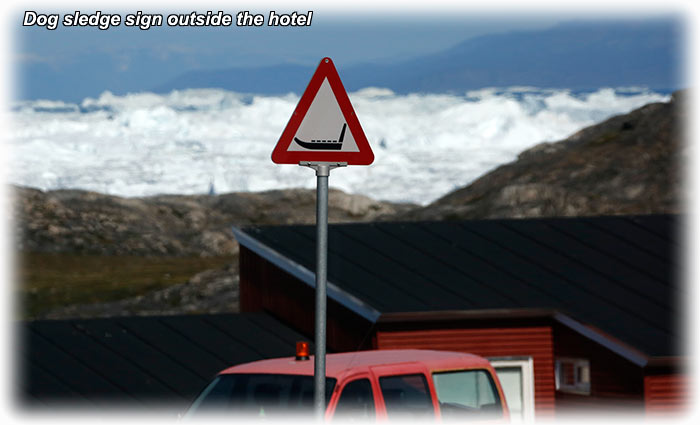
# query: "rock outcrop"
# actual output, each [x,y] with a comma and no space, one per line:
[628,164]
[84,222]
[80,222]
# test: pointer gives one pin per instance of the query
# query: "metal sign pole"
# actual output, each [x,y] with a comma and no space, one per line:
[323,170]
[324,103]
[322,173]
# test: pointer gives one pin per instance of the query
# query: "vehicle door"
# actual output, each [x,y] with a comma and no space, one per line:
[406,392]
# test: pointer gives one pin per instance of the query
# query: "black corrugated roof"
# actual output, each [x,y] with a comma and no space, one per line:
[615,273]
[142,361]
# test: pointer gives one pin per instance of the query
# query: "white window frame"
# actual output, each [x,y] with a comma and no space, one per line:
[526,366]
[580,388]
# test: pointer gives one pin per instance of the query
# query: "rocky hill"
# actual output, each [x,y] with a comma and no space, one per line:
[99,238]
[84,222]
[628,164]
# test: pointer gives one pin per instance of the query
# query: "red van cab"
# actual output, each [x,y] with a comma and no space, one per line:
[361,386]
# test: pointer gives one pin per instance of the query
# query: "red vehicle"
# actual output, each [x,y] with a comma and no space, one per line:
[367,385]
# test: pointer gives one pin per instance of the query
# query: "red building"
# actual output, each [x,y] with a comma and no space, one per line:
[576,314]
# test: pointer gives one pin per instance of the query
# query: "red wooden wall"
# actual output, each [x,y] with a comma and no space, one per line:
[264,287]
[666,394]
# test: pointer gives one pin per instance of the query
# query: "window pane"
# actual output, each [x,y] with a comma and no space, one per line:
[467,392]
[406,395]
[573,376]
[356,402]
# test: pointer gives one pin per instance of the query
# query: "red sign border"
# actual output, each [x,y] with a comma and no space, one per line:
[365,156]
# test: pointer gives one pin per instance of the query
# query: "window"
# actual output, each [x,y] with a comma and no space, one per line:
[518,383]
[573,376]
[467,393]
[356,402]
[406,395]
[260,395]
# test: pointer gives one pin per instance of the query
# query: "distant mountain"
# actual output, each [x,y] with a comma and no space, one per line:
[579,56]
[88,75]
[277,79]
[582,55]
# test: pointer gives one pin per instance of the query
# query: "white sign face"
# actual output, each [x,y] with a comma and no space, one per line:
[324,128]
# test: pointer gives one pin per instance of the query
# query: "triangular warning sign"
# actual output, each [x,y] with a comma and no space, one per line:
[323,127]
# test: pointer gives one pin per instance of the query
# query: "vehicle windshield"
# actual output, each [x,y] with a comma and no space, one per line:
[259,395]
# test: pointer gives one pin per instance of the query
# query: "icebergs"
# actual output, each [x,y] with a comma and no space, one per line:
[425,144]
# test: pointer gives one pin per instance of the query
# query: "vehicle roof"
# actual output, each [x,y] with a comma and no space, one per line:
[341,363]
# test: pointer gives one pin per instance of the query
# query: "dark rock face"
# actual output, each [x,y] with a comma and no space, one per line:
[628,164]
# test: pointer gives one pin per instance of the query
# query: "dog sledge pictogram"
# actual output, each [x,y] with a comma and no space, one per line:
[334,145]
